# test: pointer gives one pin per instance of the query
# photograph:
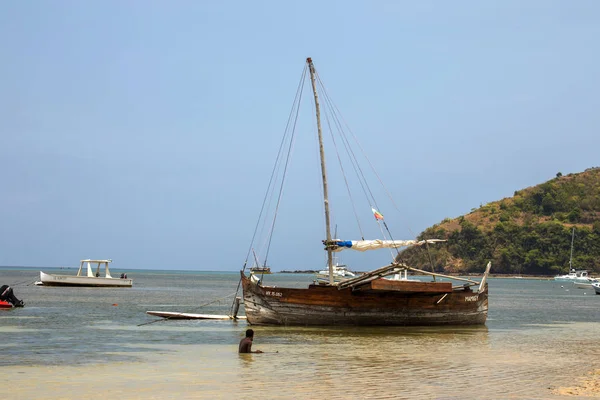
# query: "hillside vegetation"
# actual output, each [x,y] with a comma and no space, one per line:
[529,233]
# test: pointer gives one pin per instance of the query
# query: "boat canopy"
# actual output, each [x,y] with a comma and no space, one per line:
[364,245]
[98,263]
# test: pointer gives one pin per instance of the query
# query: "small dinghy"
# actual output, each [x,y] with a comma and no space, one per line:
[5,304]
[183,315]
[179,315]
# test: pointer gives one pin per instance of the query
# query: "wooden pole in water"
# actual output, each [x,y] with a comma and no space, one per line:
[236,307]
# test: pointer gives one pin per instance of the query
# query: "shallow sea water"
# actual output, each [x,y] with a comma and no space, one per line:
[90,343]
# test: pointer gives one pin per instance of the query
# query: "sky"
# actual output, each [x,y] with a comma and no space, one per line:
[146,131]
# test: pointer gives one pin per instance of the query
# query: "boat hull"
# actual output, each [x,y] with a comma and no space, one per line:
[82,281]
[260,271]
[5,304]
[176,315]
[561,279]
[582,285]
[330,306]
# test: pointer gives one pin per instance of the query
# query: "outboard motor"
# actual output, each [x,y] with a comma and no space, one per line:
[7,294]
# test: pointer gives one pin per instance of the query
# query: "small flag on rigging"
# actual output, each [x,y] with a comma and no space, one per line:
[377,214]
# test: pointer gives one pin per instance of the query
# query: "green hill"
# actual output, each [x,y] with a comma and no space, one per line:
[529,233]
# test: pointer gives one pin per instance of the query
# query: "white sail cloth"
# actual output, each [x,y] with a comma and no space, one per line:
[364,245]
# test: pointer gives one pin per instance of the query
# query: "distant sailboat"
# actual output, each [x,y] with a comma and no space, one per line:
[574,275]
[366,299]
[257,269]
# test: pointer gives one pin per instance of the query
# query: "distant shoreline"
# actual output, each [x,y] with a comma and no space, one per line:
[308,271]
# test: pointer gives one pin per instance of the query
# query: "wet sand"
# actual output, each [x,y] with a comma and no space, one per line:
[587,386]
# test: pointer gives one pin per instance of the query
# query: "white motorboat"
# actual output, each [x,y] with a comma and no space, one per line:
[574,276]
[339,270]
[402,276]
[596,286]
[88,278]
[340,273]
[570,277]
[580,275]
[585,283]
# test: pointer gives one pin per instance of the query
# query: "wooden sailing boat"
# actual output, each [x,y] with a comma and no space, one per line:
[368,299]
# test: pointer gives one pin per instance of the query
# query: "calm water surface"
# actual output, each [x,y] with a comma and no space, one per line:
[94,342]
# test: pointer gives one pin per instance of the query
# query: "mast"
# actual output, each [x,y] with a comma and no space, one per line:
[323,170]
[571,258]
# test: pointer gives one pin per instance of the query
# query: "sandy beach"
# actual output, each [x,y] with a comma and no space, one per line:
[587,386]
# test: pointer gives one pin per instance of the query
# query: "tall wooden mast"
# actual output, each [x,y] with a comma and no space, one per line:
[323,170]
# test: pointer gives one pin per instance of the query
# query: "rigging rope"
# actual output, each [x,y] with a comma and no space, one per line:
[274,173]
[353,160]
[334,107]
[343,173]
[275,166]
[287,161]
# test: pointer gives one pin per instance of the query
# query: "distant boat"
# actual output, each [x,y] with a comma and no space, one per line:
[585,284]
[340,273]
[402,276]
[573,275]
[257,269]
[339,270]
[90,279]
[366,299]
[580,275]
[260,270]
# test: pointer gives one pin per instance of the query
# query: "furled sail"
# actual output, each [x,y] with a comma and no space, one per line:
[364,245]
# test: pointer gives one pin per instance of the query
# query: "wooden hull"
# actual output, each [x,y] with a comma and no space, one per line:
[376,306]
[82,281]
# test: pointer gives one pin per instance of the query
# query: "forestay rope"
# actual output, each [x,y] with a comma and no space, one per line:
[334,111]
[288,138]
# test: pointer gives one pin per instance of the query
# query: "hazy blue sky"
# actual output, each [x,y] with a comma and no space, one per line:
[145,131]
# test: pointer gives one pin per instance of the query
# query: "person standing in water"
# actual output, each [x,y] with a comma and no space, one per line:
[246,343]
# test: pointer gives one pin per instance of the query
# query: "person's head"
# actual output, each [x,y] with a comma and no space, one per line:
[249,333]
